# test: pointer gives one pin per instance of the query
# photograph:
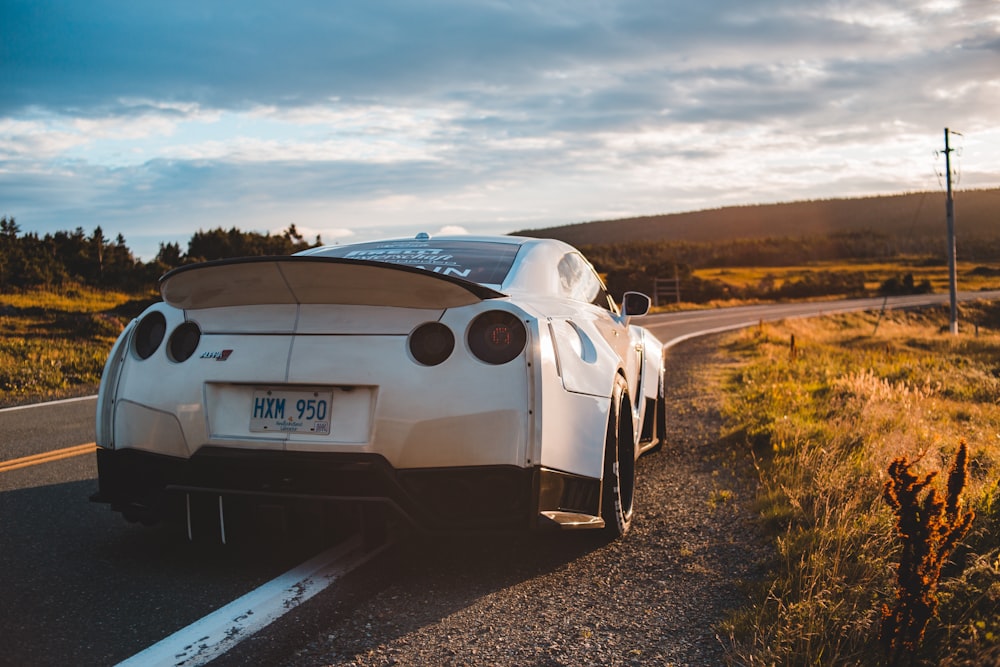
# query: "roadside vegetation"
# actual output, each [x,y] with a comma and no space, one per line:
[53,343]
[855,425]
[769,274]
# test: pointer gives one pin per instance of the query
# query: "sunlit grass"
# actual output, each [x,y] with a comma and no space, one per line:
[876,273]
[54,344]
[76,299]
[823,425]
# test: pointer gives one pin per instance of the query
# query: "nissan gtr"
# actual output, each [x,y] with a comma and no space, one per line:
[458,383]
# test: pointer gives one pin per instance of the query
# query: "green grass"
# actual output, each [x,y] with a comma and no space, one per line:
[822,426]
[54,344]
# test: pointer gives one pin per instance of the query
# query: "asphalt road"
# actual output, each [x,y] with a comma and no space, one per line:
[79,585]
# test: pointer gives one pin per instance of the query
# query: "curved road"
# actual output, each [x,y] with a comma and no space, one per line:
[675,327]
[80,585]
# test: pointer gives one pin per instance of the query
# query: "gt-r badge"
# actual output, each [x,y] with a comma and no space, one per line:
[218,356]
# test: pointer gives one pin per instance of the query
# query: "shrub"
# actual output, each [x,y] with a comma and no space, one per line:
[930,529]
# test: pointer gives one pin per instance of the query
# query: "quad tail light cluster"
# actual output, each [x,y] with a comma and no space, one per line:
[494,337]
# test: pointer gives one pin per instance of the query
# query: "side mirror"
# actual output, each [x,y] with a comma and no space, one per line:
[635,304]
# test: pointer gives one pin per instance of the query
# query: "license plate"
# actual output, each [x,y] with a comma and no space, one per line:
[291,411]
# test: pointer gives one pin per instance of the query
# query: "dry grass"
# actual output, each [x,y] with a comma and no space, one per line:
[824,425]
[73,299]
[54,344]
[876,273]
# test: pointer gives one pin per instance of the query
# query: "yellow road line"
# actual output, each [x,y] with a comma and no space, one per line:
[45,457]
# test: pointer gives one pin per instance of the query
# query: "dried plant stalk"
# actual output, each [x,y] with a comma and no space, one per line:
[930,528]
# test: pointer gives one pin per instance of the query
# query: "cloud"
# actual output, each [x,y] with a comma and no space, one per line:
[368,118]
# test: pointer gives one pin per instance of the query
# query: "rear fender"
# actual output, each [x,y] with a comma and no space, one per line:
[108,389]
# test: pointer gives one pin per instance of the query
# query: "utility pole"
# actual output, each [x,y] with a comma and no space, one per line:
[950,210]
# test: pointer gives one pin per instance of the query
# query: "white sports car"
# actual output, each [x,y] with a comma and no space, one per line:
[462,382]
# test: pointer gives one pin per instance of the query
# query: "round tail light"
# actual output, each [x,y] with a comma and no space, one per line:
[497,337]
[149,334]
[431,343]
[184,341]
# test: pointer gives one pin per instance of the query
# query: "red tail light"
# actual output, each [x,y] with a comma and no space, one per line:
[497,337]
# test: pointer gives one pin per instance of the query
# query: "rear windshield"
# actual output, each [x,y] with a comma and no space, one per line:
[479,261]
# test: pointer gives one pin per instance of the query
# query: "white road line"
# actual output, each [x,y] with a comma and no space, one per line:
[708,332]
[47,404]
[213,635]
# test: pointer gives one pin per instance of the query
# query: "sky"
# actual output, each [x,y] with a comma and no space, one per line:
[366,119]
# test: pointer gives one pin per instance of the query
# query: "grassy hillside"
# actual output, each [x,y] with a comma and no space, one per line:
[810,249]
[822,422]
[53,344]
[919,214]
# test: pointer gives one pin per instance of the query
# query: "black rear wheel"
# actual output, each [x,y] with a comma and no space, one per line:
[618,485]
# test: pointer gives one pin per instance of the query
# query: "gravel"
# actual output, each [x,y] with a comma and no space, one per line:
[656,597]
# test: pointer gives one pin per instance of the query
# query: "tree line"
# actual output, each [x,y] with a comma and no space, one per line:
[74,257]
[780,251]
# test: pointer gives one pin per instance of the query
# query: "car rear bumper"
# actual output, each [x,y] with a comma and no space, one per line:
[141,486]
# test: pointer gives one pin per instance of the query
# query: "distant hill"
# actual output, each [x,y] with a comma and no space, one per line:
[918,214]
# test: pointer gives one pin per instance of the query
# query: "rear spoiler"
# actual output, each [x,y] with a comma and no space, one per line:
[315,280]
